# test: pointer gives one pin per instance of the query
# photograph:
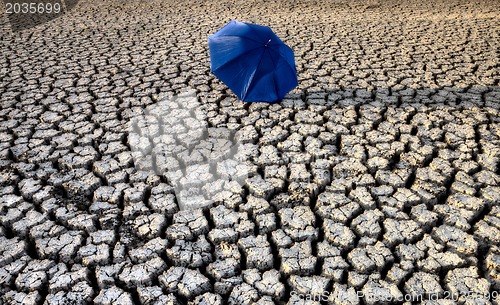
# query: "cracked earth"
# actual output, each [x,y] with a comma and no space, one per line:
[378,174]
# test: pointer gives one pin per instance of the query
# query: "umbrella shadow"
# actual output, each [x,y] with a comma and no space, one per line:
[474,96]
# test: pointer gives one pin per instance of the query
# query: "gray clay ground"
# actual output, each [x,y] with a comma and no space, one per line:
[378,174]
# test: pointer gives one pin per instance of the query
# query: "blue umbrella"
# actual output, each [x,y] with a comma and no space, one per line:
[252,61]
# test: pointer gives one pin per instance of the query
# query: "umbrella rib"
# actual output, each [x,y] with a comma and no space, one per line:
[253,75]
[274,75]
[255,31]
[230,61]
[292,67]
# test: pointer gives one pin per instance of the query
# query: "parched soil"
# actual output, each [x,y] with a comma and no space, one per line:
[378,176]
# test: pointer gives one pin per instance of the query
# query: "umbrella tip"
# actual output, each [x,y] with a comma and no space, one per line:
[268,42]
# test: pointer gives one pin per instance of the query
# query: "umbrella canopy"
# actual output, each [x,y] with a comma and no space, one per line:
[252,61]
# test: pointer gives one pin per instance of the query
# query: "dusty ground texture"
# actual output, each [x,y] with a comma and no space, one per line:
[379,173]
